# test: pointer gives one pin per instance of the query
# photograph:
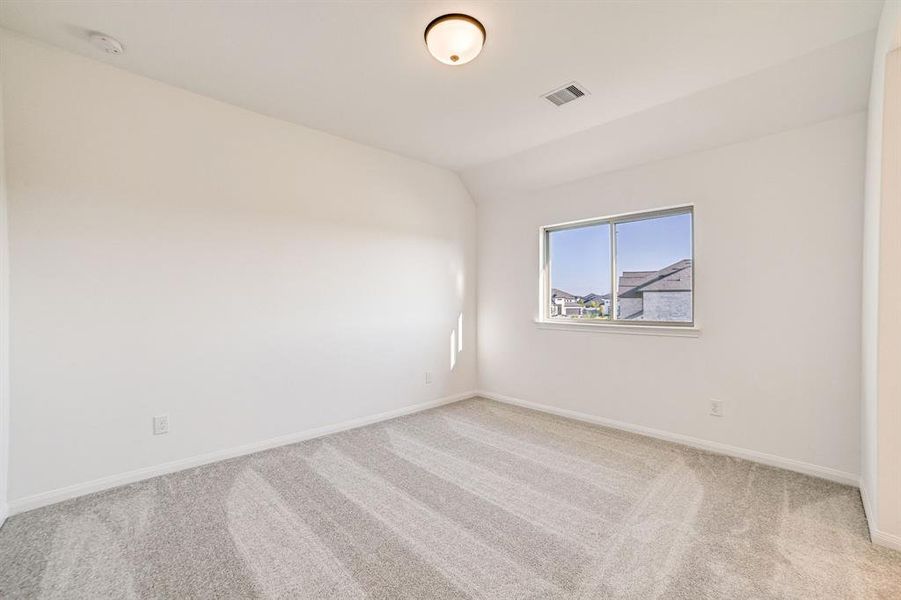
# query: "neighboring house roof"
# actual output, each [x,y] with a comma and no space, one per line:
[555,293]
[595,297]
[673,278]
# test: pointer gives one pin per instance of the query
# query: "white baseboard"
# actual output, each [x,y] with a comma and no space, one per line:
[888,540]
[752,455]
[20,505]
[878,537]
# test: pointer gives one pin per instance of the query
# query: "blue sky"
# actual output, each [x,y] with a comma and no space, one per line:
[580,258]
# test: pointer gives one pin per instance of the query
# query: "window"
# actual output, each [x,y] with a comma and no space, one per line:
[635,268]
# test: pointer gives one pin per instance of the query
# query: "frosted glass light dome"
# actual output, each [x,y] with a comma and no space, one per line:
[455,39]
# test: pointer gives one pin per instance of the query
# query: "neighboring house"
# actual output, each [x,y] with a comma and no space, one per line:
[596,305]
[663,295]
[599,298]
[564,304]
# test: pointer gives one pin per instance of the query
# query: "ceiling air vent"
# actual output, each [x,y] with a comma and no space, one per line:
[568,93]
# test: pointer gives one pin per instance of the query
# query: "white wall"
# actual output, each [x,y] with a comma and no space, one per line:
[4,323]
[249,277]
[886,41]
[778,272]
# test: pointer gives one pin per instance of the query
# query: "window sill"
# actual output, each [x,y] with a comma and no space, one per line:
[622,328]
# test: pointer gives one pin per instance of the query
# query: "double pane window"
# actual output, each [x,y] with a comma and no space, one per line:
[635,268]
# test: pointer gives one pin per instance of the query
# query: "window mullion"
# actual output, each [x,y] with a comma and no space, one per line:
[613,300]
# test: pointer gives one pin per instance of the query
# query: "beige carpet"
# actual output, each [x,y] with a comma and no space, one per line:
[472,500]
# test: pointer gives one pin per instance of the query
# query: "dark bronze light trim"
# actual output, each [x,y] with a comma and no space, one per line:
[450,16]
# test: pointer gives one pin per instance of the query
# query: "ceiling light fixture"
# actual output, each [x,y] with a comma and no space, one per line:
[455,39]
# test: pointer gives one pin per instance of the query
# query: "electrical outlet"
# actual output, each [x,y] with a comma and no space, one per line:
[428,377]
[716,408]
[160,424]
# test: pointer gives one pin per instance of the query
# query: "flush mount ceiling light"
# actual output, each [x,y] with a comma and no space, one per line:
[455,39]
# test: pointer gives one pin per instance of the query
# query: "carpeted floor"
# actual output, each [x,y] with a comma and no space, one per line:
[472,500]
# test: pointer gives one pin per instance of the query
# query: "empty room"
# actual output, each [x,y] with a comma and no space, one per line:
[383,299]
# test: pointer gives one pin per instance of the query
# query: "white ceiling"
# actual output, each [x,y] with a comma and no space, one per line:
[361,70]
[825,84]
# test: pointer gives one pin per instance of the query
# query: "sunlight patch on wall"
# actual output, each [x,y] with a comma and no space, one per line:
[453,350]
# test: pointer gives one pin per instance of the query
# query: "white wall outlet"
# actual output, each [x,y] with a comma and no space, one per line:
[428,377]
[716,408]
[160,424]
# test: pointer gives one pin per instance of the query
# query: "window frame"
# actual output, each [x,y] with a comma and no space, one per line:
[611,221]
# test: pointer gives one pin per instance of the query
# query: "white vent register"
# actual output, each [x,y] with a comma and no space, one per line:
[568,93]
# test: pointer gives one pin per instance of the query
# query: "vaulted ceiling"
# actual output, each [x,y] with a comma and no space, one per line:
[360,70]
